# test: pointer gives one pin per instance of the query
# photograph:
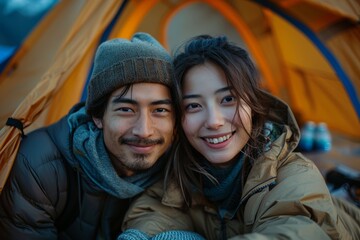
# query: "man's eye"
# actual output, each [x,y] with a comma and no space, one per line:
[124,109]
[162,110]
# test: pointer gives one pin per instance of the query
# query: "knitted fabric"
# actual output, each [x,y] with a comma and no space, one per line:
[134,234]
[119,62]
[90,152]
[226,193]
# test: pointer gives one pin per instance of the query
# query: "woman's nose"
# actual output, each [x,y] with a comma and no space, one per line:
[215,118]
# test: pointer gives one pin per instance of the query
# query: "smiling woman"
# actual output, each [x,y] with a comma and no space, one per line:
[235,173]
[213,123]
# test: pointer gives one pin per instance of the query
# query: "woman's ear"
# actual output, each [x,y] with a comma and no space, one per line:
[98,122]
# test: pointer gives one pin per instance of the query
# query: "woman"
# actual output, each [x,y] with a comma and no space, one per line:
[235,175]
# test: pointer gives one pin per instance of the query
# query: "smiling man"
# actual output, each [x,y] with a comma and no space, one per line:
[137,126]
[75,179]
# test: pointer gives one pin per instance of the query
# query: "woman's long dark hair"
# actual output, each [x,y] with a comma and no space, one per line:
[243,77]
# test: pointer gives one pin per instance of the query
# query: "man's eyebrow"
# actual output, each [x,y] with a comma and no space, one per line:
[132,101]
[217,91]
[162,101]
[123,100]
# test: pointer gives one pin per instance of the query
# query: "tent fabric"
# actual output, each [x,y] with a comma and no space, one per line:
[318,78]
[306,50]
[52,68]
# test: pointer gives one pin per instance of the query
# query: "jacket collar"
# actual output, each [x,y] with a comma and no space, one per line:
[62,137]
[264,169]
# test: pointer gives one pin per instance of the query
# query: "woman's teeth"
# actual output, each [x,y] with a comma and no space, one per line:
[218,140]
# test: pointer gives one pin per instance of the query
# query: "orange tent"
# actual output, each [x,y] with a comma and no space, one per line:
[307,51]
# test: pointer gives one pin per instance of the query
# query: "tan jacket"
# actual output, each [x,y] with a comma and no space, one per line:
[298,206]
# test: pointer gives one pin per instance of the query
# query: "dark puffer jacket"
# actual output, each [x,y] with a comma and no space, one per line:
[46,197]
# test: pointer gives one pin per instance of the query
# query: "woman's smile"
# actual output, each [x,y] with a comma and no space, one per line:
[213,122]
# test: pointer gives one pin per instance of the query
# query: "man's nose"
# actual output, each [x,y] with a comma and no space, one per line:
[144,126]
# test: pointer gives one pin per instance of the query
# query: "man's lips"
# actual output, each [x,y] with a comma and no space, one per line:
[142,149]
[142,146]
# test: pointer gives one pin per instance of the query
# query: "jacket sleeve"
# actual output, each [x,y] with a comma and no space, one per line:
[298,207]
[34,192]
[149,215]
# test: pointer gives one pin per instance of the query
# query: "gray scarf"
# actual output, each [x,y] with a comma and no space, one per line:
[90,152]
[227,193]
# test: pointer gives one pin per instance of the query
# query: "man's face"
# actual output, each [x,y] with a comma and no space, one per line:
[138,126]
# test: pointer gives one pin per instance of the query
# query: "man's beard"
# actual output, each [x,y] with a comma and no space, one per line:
[141,141]
[139,162]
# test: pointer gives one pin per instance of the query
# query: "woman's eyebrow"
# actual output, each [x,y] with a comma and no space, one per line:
[198,95]
[191,96]
[224,89]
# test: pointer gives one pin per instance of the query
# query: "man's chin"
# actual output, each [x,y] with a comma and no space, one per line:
[144,162]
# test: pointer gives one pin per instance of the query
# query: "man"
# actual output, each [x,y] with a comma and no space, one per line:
[76,178]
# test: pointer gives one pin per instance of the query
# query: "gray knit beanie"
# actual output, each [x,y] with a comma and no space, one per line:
[119,62]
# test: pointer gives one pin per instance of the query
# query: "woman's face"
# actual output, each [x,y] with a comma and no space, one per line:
[211,122]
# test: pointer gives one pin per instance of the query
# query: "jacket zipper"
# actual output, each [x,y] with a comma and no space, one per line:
[248,195]
[256,190]
[223,229]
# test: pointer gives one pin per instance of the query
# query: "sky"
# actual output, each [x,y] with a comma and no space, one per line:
[17,19]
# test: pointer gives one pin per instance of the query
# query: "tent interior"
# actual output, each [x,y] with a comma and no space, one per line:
[307,51]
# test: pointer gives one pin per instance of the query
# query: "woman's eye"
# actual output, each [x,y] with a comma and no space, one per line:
[229,99]
[192,106]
